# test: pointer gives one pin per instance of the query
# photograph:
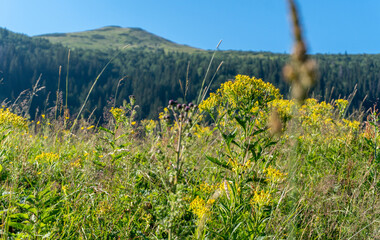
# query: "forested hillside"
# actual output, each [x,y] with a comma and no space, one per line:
[154,76]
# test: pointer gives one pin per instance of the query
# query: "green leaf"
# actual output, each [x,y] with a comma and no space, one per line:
[258,132]
[217,162]
[1,168]
[369,142]
[99,163]
[241,122]
[28,207]
[252,148]
[16,225]
[237,144]
[270,144]
[373,124]
[229,137]
[19,216]
[106,130]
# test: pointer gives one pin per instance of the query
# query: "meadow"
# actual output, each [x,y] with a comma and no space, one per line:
[230,168]
[242,162]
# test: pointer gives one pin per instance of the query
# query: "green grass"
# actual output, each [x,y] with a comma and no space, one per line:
[181,177]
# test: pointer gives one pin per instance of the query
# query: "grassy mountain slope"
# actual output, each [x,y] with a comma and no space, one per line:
[113,37]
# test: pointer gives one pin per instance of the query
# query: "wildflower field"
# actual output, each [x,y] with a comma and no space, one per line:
[244,164]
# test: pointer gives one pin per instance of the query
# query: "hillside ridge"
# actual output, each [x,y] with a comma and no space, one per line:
[115,37]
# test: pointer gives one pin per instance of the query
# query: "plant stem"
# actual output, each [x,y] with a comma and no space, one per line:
[178,152]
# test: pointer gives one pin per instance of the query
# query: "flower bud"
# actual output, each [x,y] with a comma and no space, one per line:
[132,99]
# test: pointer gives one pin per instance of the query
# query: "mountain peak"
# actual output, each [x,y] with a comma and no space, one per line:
[115,37]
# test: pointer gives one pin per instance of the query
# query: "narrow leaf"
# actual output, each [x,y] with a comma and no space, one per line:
[217,162]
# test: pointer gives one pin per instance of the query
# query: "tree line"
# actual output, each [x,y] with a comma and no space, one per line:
[155,76]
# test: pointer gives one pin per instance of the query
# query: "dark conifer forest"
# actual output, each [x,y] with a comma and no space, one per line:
[155,74]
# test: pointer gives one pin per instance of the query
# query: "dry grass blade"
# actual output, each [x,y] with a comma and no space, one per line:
[208,69]
[67,78]
[117,88]
[92,87]
[34,92]
[59,82]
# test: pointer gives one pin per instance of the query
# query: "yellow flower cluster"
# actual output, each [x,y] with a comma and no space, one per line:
[241,93]
[312,112]
[210,103]
[149,125]
[354,125]
[239,167]
[46,157]
[118,114]
[245,90]
[210,188]
[198,207]
[163,114]
[10,119]
[261,198]
[284,108]
[341,104]
[76,163]
[202,131]
[274,175]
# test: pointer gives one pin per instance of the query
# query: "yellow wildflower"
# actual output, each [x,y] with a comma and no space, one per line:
[149,125]
[64,189]
[198,207]
[46,157]
[341,104]
[210,188]
[118,114]
[243,96]
[10,119]
[77,163]
[354,125]
[261,198]
[210,103]
[274,175]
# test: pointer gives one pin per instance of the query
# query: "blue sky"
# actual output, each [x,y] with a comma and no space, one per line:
[331,26]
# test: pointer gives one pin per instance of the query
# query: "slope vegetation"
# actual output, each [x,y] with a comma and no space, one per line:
[113,37]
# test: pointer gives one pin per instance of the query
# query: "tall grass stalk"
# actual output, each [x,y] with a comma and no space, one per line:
[34,92]
[57,99]
[117,88]
[208,69]
[93,85]
[67,78]
[211,81]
